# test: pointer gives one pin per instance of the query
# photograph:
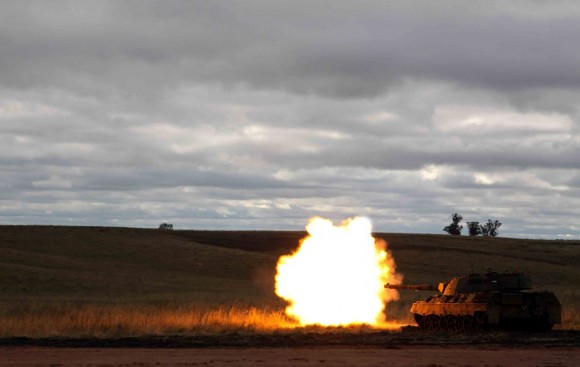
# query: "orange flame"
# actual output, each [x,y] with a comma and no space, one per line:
[337,275]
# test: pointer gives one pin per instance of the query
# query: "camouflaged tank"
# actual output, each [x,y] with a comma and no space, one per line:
[481,301]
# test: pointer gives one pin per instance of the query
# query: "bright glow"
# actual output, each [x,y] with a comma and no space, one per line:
[337,275]
[430,173]
[482,179]
[383,116]
[470,119]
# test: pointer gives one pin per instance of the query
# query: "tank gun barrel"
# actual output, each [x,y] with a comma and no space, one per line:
[413,287]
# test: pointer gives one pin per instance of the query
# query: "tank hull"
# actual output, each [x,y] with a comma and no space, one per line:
[480,310]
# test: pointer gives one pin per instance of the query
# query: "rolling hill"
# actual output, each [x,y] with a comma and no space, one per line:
[130,265]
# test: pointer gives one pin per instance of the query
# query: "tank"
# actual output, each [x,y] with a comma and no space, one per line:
[483,301]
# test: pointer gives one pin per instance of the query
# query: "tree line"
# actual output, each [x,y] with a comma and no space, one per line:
[488,229]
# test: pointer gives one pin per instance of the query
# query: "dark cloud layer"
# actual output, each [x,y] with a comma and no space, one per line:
[326,48]
[260,114]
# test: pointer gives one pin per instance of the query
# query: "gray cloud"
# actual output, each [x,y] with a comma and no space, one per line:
[261,114]
[347,50]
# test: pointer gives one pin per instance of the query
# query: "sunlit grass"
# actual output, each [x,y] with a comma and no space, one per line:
[115,320]
[570,313]
[68,319]
[570,319]
[77,320]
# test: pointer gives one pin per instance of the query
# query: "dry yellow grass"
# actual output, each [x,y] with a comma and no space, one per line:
[119,320]
[66,319]
[570,313]
[69,319]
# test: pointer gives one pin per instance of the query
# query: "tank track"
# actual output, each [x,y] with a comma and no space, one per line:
[452,323]
[476,323]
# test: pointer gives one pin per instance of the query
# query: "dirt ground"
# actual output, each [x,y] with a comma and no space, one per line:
[424,356]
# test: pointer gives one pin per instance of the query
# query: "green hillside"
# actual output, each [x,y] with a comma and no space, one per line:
[124,264]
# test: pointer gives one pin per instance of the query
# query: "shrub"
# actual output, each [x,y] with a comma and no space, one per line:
[454,228]
[473,228]
[490,228]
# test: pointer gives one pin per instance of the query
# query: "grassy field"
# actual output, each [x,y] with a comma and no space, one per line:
[92,281]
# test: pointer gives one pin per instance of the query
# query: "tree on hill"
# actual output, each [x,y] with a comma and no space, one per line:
[473,228]
[490,228]
[454,228]
[166,226]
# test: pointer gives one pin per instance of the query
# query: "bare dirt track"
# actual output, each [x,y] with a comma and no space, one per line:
[424,356]
[410,336]
[408,348]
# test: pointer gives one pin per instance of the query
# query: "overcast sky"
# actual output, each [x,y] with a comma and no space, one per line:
[261,114]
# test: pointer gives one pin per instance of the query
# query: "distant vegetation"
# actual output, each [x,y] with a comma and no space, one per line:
[165,226]
[488,229]
[454,228]
[474,228]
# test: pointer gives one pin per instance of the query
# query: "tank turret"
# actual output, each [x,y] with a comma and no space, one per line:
[477,301]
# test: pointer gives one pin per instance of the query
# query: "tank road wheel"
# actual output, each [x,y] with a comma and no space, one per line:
[466,323]
[420,320]
[443,322]
[478,321]
[447,323]
[430,322]
[437,323]
[542,323]
[454,323]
